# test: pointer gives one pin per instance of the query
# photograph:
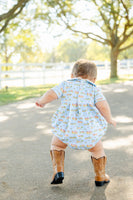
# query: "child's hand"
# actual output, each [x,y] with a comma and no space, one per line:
[113,123]
[39,104]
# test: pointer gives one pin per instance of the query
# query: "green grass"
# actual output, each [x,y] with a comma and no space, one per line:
[14,94]
[115,80]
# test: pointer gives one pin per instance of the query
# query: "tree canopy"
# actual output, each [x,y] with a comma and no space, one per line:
[109,22]
[113,19]
[15,10]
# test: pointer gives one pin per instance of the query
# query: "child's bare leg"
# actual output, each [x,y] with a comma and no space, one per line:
[57,144]
[97,151]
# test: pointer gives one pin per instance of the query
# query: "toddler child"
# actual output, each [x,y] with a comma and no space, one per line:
[80,121]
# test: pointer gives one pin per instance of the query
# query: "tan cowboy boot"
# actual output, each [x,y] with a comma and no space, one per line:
[99,167]
[58,166]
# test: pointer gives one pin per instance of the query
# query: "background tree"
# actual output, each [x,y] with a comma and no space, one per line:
[19,45]
[10,14]
[96,51]
[113,19]
[25,45]
[127,53]
[18,38]
[69,50]
[7,44]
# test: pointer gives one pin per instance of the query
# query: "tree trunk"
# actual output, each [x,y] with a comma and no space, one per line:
[114,56]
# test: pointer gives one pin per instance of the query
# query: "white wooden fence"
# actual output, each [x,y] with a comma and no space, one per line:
[31,74]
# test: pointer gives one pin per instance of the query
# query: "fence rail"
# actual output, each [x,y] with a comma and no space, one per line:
[31,74]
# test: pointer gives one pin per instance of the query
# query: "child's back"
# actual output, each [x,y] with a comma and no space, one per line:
[78,122]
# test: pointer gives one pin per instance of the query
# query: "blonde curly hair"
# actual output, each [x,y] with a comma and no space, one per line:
[84,69]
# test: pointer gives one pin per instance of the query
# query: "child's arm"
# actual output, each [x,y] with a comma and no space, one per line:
[104,109]
[47,98]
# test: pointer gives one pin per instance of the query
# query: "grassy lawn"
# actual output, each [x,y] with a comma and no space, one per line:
[116,80]
[14,94]
[18,93]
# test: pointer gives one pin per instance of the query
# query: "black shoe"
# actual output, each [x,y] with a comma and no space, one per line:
[58,179]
